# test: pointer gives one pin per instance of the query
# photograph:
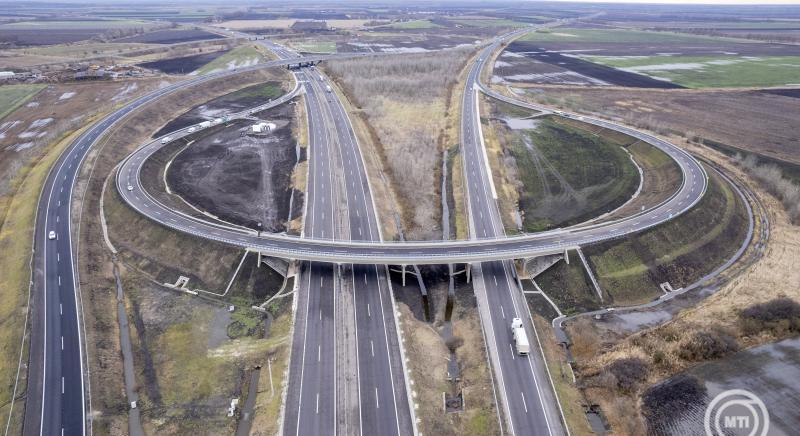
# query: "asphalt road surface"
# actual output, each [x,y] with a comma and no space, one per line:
[317,376]
[523,386]
[56,402]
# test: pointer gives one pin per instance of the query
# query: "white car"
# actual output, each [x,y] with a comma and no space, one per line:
[130,188]
[51,235]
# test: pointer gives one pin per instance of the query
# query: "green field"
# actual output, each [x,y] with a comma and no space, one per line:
[711,71]
[414,24]
[237,57]
[315,46]
[76,24]
[488,22]
[13,96]
[607,36]
[568,175]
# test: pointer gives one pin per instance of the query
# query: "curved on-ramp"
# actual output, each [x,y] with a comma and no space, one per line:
[693,187]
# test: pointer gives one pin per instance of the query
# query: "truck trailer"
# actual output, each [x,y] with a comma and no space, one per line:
[520,337]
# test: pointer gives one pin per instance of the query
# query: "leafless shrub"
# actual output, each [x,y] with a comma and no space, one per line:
[708,344]
[405,101]
[629,372]
[780,316]
[772,179]
[403,78]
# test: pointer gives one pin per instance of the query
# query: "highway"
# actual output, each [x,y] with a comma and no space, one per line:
[55,369]
[326,395]
[484,246]
[524,390]
[57,400]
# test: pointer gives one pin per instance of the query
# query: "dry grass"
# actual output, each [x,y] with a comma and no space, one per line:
[149,247]
[504,167]
[772,179]
[749,120]
[569,396]
[267,409]
[774,275]
[428,355]
[407,103]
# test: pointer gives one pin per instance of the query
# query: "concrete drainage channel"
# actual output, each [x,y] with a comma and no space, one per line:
[134,417]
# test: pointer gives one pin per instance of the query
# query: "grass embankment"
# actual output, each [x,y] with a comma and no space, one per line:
[428,352]
[569,397]
[505,172]
[556,172]
[238,57]
[161,254]
[16,230]
[758,307]
[679,252]
[268,400]
[569,286]
[14,96]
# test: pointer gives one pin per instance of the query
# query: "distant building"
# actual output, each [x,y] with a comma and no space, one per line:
[310,26]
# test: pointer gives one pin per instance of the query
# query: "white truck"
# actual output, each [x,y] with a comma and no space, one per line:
[520,337]
[165,139]
[204,124]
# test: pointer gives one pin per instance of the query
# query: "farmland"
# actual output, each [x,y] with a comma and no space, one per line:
[239,57]
[171,36]
[183,65]
[11,97]
[314,46]
[707,71]
[413,24]
[45,32]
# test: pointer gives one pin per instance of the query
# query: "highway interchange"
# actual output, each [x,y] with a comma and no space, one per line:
[527,399]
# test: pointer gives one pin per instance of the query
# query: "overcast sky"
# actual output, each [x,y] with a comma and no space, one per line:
[717,2]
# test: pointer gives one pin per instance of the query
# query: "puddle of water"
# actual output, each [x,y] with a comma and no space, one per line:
[637,320]
[521,123]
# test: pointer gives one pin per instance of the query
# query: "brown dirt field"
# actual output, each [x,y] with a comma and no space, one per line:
[204,261]
[774,275]
[55,111]
[751,120]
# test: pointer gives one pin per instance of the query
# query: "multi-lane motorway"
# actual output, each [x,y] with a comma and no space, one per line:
[336,387]
[524,390]
[56,401]
[57,373]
